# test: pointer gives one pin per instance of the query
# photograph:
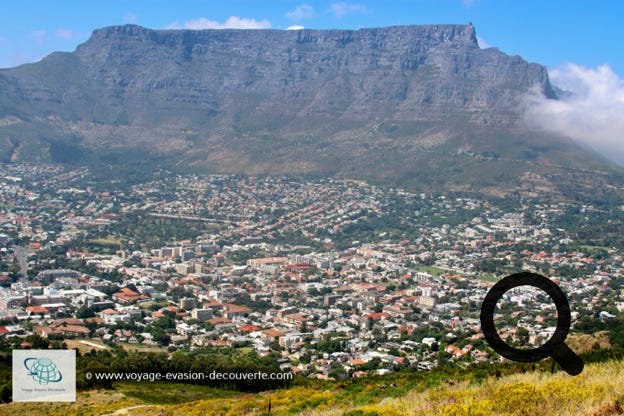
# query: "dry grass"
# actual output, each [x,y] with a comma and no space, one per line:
[85,345]
[92,403]
[581,343]
[597,391]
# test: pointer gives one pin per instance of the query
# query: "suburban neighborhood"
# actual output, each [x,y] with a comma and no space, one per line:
[340,278]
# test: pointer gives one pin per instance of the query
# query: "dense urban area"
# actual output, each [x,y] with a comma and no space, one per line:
[323,278]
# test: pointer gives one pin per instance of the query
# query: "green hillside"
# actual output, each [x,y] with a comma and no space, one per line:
[504,389]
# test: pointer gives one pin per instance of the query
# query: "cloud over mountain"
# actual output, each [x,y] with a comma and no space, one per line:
[232,22]
[590,110]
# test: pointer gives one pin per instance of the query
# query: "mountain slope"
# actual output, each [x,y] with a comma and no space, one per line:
[424,105]
[416,73]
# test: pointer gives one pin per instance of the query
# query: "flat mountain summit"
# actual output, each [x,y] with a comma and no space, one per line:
[422,106]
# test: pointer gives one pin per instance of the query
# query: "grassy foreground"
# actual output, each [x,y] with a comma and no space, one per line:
[598,391]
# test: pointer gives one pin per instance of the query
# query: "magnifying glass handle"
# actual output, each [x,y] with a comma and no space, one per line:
[567,359]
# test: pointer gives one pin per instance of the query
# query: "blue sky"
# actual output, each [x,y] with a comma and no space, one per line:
[579,41]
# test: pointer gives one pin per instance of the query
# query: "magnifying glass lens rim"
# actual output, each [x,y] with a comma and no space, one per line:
[489,306]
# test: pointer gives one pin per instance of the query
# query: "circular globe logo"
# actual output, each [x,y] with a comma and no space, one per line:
[43,370]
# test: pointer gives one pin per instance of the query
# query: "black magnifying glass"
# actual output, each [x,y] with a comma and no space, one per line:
[555,346]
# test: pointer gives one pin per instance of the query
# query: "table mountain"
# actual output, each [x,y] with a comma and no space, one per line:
[422,106]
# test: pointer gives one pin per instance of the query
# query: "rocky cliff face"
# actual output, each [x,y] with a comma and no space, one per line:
[407,73]
[271,101]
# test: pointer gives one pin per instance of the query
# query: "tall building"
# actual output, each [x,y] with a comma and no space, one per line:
[188,303]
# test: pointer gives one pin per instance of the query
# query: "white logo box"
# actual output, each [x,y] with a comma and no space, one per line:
[44,375]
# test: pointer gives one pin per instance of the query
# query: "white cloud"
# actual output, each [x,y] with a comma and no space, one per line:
[38,36]
[482,43]
[303,11]
[67,34]
[342,8]
[468,4]
[130,18]
[593,112]
[232,22]
[295,27]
